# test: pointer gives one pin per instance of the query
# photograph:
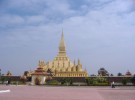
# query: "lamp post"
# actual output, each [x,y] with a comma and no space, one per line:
[0,74]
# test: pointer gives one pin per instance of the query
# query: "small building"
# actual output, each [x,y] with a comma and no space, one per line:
[40,76]
[9,73]
[128,73]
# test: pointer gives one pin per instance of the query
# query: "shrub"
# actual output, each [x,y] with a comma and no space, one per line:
[133,80]
[53,82]
[66,81]
[89,81]
[124,81]
[3,79]
[97,81]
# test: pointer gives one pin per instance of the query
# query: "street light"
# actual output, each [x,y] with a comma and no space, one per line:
[0,74]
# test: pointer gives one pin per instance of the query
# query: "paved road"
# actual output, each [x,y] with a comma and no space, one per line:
[66,93]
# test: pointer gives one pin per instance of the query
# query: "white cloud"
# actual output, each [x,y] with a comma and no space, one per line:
[119,7]
[102,32]
[39,19]
[11,20]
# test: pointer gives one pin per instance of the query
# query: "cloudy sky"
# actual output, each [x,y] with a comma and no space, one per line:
[101,33]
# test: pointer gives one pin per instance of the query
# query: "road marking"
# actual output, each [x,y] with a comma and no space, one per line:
[4,91]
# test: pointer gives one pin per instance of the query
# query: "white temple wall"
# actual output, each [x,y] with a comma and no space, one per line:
[40,77]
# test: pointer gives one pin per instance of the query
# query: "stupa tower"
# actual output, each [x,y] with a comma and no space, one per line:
[62,48]
[61,65]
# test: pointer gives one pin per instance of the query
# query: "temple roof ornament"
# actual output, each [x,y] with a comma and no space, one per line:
[79,62]
[74,63]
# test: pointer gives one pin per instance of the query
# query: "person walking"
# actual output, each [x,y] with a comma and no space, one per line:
[113,84]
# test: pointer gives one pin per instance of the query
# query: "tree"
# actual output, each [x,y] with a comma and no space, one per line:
[62,80]
[124,81]
[3,79]
[119,74]
[67,81]
[100,81]
[23,79]
[111,75]
[96,81]
[133,80]
[71,81]
[103,72]
[89,81]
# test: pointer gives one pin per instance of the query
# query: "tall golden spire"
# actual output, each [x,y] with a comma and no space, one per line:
[62,48]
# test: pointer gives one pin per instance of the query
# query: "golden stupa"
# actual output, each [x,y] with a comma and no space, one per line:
[61,66]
